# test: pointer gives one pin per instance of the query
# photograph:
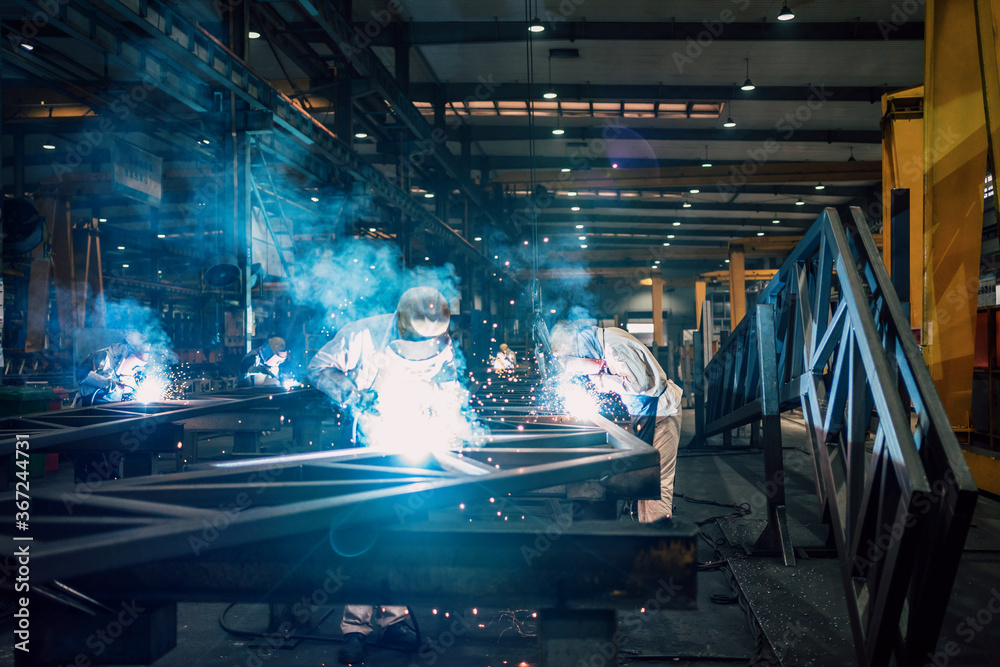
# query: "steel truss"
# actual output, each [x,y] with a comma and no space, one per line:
[829,335]
[268,529]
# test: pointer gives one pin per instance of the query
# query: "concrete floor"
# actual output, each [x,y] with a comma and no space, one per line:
[801,610]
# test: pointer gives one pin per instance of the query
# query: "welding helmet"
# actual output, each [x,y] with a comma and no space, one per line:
[577,347]
[503,347]
[139,345]
[273,352]
[423,314]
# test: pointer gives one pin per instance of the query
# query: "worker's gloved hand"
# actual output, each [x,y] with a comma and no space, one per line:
[364,401]
[263,370]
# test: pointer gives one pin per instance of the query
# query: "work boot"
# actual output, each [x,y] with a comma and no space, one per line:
[400,636]
[352,651]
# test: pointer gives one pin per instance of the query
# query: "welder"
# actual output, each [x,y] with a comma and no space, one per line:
[410,346]
[505,359]
[615,361]
[260,367]
[113,373]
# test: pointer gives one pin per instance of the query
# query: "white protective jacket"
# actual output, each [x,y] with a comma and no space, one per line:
[360,358]
[633,371]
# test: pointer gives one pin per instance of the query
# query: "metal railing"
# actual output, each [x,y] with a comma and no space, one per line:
[829,336]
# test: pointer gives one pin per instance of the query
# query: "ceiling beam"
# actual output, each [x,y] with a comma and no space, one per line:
[421,33]
[519,92]
[607,132]
[721,177]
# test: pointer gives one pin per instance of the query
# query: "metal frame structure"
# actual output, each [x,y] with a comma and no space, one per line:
[194,525]
[829,335]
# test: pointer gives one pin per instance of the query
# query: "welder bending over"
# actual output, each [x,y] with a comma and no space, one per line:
[113,373]
[616,361]
[260,367]
[411,345]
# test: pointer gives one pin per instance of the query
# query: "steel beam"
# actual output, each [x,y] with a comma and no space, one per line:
[559,29]
[915,484]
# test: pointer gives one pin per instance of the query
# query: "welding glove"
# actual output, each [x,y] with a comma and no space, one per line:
[365,401]
[263,370]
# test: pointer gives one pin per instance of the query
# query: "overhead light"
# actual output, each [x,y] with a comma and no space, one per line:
[706,163]
[584,245]
[776,222]
[48,147]
[121,247]
[161,236]
[314,198]
[372,229]
[579,226]
[478,238]
[557,131]
[748,84]
[729,122]
[564,170]
[694,191]
[820,186]
[545,240]
[253,34]
[656,261]
[124,266]
[576,208]
[206,141]
[760,233]
[670,236]
[676,223]
[27,47]
[102,219]
[428,195]
[550,94]
[686,204]
[666,244]
[800,202]
[360,135]
[582,238]
[571,193]
[786,13]
[536,25]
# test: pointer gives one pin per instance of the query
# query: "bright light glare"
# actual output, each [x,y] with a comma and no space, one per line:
[578,401]
[416,419]
[152,389]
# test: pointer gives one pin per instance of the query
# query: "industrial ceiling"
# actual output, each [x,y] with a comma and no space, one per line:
[644,93]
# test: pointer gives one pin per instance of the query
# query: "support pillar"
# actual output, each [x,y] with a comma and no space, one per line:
[58,213]
[955,151]
[699,298]
[737,286]
[657,310]
[775,538]
[903,168]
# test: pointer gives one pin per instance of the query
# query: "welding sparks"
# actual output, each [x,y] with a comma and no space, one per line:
[416,419]
[151,389]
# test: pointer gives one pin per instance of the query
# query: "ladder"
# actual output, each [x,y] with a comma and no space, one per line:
[267,201]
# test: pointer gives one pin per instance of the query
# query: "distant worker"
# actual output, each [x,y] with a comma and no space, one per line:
[615,361]
[113,373]
[260,367]
[409,348]
[505,360]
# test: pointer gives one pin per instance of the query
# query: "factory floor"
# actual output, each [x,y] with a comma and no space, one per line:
[800,611]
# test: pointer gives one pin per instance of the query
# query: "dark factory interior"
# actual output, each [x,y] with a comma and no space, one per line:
[551,333]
